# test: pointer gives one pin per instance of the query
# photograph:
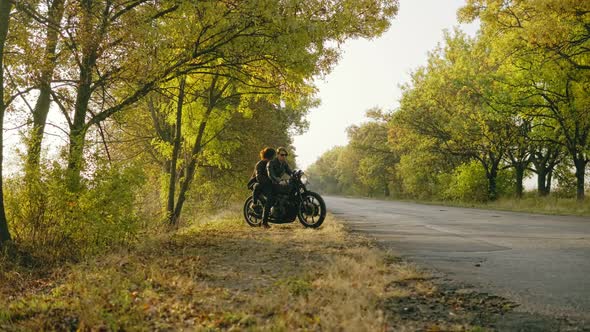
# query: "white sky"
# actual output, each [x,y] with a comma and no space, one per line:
[370,72]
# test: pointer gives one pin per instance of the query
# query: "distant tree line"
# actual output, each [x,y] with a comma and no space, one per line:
[483,114]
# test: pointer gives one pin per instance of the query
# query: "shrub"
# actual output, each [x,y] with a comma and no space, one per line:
[566,180]
[469,183]
[419,176]
[58,224]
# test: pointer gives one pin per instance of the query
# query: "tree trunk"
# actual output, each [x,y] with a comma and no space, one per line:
[548,183]
[492,188]
[78,128]
[192,166]
[5,8]
[541,182]
[75,159]
[519,169]
[43,103]
[175,152]
[36,136]
[580,165]
[184,189]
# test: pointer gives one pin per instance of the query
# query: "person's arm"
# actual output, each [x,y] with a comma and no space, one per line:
[260,172]
[288,169]
[272,172]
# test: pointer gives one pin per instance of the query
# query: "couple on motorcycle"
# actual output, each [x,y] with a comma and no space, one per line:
[268,173]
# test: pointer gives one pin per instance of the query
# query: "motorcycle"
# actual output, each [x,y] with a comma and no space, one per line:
[296,202]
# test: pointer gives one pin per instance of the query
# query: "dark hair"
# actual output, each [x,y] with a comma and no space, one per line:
[282,149]
[267,153]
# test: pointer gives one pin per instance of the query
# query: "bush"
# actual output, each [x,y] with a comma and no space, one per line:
[566,180]
[419,175]
[506,183]
[57,224]
[469,183]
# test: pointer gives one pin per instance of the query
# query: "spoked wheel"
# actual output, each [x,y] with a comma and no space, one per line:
[252,215]
[312,210]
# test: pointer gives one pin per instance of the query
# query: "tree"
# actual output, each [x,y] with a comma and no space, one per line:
[37,20]
[5,9]
[201,36]
[545,158]
[375,170]
[548,43]
[445,103]
[323,175]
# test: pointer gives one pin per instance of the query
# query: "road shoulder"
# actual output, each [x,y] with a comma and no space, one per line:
[224,275]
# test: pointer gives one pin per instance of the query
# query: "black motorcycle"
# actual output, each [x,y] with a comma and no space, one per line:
[295,202]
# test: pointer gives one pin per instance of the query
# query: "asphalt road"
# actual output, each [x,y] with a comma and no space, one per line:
[541,262]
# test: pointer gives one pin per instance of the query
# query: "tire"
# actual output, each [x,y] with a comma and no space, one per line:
[252,218]
[315,208]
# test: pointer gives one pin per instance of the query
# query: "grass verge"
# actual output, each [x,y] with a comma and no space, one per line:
[224,275]
[530,203]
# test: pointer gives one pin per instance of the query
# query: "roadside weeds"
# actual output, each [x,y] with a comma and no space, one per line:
[224,275]
[528,204]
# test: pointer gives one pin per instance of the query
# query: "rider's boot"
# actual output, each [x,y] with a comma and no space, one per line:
[257,207]
[265,217]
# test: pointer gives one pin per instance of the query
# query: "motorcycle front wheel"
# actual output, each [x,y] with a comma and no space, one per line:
[312,210]
[251,215]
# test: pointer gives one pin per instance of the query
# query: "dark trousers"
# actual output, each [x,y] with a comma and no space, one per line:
[265,189]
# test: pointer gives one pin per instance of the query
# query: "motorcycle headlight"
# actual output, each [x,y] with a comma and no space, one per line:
[304,179]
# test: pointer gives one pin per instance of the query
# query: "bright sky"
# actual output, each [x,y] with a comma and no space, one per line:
[370,72]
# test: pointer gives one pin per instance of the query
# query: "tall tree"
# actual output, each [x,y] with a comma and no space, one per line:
[445,103]
[5,9]
[323,173]
[45,20]
[201,36]
[545,158]
[519,152]
[375,170]
[548,42]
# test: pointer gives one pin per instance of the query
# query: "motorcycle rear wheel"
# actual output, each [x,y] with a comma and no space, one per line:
[253,218]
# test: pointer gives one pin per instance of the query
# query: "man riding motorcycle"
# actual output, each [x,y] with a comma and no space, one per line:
[278,167]
[290,200]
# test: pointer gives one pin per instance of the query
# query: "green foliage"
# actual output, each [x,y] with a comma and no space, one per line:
[364,167]
[323,176]
[418,173]
[248,68]
[469,183]
[566,181]
[542,48]
[476,118]
[57,224]
[373,174]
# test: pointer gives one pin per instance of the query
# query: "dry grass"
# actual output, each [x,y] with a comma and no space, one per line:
[220,275]
[224,275]
[530,203]
[545,205]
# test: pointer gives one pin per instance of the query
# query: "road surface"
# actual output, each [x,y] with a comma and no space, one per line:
[541,262]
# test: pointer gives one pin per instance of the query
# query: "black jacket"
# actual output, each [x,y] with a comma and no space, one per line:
[276,169]
[260,172]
